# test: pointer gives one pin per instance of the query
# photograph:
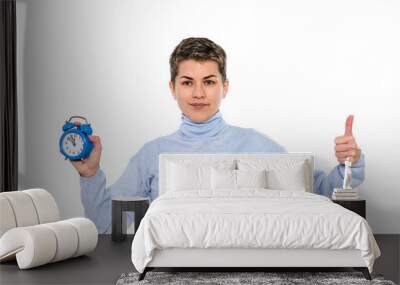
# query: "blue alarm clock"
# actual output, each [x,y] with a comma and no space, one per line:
[74,142]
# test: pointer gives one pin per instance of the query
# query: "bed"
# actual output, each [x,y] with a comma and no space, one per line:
[247,210]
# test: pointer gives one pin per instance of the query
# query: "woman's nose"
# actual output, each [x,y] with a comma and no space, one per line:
[198,91]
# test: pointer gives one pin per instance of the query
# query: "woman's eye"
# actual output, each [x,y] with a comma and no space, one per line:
[207,82]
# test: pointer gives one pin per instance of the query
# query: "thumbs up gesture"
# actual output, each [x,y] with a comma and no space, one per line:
[346,147]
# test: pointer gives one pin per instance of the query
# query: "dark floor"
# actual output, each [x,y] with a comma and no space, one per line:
[389,262]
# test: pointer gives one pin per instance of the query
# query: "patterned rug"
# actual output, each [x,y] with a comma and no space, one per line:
[270,278]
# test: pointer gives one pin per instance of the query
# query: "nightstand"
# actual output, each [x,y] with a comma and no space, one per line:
[357,206]
[138,205]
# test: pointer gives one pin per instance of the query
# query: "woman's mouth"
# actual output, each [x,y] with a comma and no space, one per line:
[198,106]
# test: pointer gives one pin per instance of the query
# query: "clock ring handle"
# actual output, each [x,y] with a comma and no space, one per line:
[79,117]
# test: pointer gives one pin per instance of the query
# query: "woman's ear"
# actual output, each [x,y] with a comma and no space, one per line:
[172,88]
[225,88]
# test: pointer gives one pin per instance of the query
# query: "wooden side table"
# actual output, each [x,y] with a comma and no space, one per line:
[357,206]
[138,205]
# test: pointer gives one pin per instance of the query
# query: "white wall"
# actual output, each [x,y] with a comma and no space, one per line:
[296,70]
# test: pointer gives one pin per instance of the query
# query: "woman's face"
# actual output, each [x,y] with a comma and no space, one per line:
[198,89]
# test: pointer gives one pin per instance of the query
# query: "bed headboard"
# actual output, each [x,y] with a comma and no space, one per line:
[215,158]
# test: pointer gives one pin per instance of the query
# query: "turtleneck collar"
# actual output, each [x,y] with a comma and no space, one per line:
[209,128]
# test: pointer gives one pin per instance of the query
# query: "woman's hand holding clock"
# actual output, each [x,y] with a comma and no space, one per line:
[88,166]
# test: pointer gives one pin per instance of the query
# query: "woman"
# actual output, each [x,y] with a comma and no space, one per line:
[198,84]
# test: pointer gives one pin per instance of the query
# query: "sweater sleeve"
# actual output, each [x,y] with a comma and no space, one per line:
[96,197]
[324,184]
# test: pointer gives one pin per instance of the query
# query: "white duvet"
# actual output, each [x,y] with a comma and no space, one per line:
[251,218]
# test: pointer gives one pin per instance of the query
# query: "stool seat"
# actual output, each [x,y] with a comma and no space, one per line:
[133,198]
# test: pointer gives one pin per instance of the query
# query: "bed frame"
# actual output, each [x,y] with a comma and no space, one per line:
[241,260]
[248,259]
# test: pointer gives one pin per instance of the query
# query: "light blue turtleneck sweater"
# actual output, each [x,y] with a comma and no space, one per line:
[140,178]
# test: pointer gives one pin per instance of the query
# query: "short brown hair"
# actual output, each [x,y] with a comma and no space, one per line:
[199,49]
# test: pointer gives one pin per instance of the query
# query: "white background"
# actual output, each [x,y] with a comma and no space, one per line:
[296,70]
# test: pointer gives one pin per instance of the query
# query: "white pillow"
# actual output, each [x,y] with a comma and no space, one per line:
[281,175]
[251,178]
[223,179]
[187,177]
[288,178]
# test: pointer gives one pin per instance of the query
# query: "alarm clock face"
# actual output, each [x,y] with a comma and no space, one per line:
[72,144]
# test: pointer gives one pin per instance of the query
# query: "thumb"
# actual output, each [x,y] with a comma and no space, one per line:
[349,126]
[95,140]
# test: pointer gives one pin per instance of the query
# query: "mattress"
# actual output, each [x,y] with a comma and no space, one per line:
[251,219]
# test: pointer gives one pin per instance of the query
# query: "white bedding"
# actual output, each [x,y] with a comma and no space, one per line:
[250,218]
